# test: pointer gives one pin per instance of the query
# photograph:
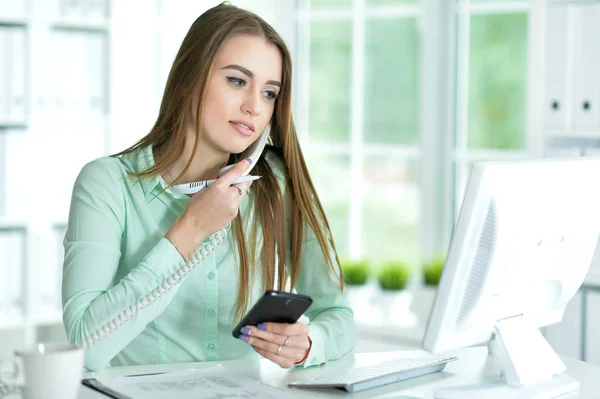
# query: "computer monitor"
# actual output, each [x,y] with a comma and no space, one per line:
[521,247]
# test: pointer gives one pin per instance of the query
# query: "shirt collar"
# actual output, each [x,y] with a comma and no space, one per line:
[141,160]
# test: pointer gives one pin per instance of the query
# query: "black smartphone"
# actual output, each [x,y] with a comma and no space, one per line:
[274,306]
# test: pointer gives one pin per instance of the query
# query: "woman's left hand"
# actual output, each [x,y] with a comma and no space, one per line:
[282,343]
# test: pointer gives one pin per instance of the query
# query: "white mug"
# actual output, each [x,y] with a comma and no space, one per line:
[51,370]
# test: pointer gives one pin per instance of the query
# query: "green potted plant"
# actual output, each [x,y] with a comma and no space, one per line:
[356,276]
[356,272]
[423,297]
[432,271]
[392,279]
[393,276]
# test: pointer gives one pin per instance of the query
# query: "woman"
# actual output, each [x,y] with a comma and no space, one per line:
[139,286]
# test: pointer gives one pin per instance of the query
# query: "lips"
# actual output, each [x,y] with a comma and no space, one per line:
[245,128]
[246,124]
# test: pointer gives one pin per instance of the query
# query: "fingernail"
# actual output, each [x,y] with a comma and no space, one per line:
[262,326]
[246,330]
[243,337]
[249,160]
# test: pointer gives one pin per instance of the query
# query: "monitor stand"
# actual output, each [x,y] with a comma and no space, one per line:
[530,367]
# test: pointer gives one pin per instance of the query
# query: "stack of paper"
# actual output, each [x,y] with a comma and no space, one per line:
[209,383]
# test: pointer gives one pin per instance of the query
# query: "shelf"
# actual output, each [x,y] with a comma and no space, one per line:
[59,224]
[7,223]
[14,21]
[573,135]
[565,2]
[12,122]
[592,279]
[12,224]
[72,24]
[58,120]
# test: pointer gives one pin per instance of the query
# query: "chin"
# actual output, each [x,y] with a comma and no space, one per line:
[240,144]
[234,149]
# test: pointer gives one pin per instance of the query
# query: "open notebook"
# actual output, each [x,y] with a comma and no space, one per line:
[207,383]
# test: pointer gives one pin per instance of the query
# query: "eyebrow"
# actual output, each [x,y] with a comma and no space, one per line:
[250,74]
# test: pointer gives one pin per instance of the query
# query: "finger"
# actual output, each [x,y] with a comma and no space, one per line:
[238,170]
[237,193]
[295,354]
[239,190]
[280,360]
[244,186]
[284,329]
[296,341]
[266,345]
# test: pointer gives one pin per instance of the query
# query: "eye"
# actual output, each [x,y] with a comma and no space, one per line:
[270,94]
[236,81]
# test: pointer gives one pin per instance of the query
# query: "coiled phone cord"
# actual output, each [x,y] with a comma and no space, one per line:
[201,253]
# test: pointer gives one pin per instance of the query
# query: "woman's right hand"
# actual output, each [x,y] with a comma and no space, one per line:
[209,211]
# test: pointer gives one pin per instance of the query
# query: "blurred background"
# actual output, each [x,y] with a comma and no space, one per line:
[393,101]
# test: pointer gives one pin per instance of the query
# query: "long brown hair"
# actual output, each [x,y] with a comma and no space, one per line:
[191,69]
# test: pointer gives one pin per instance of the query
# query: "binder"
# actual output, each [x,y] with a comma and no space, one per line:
[48,290]
[17,172]
[4,59]
[83,9]
[3,172]
[18,73]
[98,9]
[555,97]
[61,69]
[96,74]
[68,9]
[78,69]
[55,75]
[586,64]
[3,268]
[14,272]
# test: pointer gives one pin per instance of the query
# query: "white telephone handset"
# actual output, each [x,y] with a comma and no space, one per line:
[253,152]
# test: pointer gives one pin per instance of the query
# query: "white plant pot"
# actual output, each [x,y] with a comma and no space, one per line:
[422,302]
[393,305]
[359,297]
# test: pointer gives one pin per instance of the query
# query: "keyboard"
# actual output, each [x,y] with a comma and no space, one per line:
[361,378]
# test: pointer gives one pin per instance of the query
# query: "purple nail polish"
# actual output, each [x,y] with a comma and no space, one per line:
[243,337]
[246,331]
[249,160]
[262,326]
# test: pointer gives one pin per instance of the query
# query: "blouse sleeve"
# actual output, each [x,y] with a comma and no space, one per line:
[91,297]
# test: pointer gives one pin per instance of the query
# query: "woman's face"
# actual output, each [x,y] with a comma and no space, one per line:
[241,93]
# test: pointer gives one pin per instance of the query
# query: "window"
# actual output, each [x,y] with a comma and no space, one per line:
[492,83]
[360,122]
[362,91]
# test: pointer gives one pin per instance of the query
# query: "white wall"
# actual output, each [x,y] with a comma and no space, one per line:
[45,142]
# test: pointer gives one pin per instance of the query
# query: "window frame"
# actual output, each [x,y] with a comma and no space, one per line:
[444,88]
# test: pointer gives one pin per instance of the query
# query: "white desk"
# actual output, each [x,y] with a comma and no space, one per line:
[471,367]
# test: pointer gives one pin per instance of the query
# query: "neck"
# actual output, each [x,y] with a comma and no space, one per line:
[205,164]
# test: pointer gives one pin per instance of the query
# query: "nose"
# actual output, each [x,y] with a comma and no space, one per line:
[251,103]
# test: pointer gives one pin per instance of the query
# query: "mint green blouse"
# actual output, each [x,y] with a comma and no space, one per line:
[116,253]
